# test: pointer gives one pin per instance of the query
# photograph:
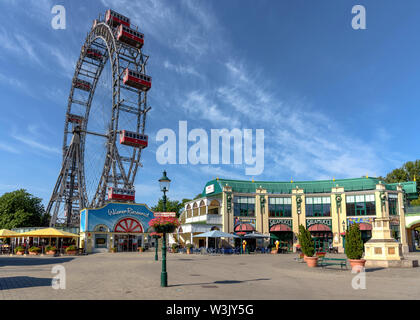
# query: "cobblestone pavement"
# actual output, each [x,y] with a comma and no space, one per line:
[137,276]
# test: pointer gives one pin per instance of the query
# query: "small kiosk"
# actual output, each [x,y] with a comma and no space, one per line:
[122,226]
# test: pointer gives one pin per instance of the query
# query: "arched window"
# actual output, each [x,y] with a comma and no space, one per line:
[214,207]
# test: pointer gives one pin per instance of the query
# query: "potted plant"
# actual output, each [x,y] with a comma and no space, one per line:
[19,250]
[174,248]
[113,249]
[354,247]
[164,224]
[141,249]
[50,250]
[307,245]
[320,254]
[71,250]
[33,251]
[189,247]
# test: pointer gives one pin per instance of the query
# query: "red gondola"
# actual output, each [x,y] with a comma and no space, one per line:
[137,80]
[115,19]
[94,54]
[74,118]
[121,194]
[81,84]
[131,37]
[134,139]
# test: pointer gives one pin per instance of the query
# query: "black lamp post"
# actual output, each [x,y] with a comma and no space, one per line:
[156,246]
[164,187]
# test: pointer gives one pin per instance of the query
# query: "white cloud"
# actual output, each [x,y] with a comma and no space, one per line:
[161,20]
[181,69]
[36,144]
[302,141]
[197,104]
[9,148]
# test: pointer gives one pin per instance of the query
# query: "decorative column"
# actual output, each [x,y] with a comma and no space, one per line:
[227,212]
[261,202]
[401,214]
[382,250]
[338,216]
[298,213]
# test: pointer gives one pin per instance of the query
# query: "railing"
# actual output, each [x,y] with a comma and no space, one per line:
[209,218]
[214,219]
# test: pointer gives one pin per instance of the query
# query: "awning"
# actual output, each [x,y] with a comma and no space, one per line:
[365,226]
[5,233]
[280,227]
[246,227]
[256,235]
[319,227]
[48,233]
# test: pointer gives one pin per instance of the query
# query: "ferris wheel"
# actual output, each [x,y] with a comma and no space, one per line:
[104,127]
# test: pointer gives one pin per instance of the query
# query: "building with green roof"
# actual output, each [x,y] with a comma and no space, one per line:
[276,209]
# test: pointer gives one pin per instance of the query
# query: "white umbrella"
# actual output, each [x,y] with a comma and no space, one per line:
[215,234]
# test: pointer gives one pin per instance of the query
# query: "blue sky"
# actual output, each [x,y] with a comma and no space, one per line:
[333,101]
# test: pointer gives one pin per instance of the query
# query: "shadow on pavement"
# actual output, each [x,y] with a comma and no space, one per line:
[23,261]
[218,282]
[19,282]
[374,269]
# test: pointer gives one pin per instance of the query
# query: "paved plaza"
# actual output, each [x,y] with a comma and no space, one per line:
[137,276]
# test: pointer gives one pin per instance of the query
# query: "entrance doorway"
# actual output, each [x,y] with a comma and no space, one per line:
[127,242]
[251,243]
[284,237]
[323,240]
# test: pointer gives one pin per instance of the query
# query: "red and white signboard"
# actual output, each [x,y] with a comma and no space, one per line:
[210,189]
[164,214]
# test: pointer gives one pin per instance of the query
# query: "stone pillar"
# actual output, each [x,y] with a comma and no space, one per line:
[298,213]
[261,216]
[382,250]
[401,213]
[338,216]
[227,215]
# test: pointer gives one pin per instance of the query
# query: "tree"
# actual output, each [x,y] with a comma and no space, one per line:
[354,242]
[21,209]
[171,206]
[408,172]
[306,242]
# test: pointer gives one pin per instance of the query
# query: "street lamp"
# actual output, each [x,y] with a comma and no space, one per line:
[164,183]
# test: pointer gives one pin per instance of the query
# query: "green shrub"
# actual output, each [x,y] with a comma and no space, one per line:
[306,242]
[354,242]
[71,248]
[189,246]
[50,248]
[34,249]
[20,249]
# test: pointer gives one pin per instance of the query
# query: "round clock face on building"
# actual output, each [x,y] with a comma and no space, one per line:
[128,225]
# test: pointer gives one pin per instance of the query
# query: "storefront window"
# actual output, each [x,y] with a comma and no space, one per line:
[280,207]
[361,205]
[100,241]
[244,206]
[318,207]
[393,204]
